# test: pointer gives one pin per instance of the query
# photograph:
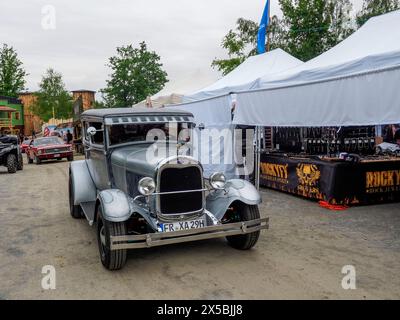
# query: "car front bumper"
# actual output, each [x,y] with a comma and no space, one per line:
[165,238]
[59,155]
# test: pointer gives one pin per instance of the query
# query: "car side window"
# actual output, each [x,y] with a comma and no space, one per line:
[98,138]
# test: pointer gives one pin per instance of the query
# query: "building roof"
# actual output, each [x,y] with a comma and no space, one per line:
[7,109]
[134,111]
[83,90]
[11,100]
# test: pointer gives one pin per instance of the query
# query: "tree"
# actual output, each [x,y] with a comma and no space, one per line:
[52,97]
[241,43]
[373,8]
[12,72]
[314,26]
[136,74]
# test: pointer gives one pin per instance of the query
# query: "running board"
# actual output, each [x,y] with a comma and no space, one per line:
[88,209]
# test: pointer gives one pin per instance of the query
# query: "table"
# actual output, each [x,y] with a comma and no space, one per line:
[372,180]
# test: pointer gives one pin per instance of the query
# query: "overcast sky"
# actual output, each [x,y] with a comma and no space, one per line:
[185,33]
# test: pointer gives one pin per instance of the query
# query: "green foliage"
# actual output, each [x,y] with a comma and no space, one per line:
[99,105]
[241,43]
[12,73]
[53,97]
[136,74]
[314,26]
[373,8]
[307,29]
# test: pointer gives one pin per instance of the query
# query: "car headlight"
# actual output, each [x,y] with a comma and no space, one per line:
[218,180]
[39,152]
[147,186]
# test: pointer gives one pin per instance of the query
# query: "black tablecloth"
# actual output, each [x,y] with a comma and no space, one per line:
[333,181]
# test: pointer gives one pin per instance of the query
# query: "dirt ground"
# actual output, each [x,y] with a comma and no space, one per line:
[300,257]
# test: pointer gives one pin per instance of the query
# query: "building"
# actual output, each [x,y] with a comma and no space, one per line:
[87,96]
[11,115]
[31,121]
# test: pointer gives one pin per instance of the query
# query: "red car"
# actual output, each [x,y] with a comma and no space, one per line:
[25,145]
[49,148]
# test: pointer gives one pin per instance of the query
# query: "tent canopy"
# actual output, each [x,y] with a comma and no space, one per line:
[354,83]
[245,76]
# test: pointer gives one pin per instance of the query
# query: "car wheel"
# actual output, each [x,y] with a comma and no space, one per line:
[37,160]
[12,163]
[75,210]
[111,259]
[242,212]
[20,162]
[70,158]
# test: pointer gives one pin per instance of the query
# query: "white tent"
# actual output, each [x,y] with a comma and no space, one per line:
[354,83]
[160,101]
[246,76]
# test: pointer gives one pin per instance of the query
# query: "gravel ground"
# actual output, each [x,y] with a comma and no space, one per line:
[300,257]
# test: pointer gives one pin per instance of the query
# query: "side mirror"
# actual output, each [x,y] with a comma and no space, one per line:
[91,131]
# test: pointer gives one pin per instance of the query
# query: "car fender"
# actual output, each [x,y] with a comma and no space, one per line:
[219,201]
[82,184]
[117,207]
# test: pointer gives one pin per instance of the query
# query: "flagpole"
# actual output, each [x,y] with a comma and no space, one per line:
[268,33]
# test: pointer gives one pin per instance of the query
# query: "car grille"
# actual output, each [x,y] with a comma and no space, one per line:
[181,179]
[56,150]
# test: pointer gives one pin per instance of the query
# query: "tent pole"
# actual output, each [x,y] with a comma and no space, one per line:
[257,158]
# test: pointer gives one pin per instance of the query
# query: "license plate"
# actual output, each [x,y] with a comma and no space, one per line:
[184,225]
[57,155]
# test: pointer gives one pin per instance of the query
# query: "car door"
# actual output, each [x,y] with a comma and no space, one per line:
[96,156]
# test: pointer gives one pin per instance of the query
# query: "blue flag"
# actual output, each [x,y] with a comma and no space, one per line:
[262,32]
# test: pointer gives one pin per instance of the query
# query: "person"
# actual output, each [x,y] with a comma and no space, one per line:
[397,137]
[21,137]
[69,137]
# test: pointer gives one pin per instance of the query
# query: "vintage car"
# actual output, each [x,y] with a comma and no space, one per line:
[48,148]
[140,190]
[10,154]
[25,145]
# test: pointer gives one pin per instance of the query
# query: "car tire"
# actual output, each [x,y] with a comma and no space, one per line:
[12,163]
[75,210]
[70,158]
[110,259]
[37,160]
[20,162]
[245,213]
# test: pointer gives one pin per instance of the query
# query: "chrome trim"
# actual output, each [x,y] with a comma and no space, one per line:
[211,232]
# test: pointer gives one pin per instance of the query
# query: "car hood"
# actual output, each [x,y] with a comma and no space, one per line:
[142,159]
[53,146]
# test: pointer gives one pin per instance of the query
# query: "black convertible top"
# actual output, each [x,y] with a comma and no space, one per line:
[8,139]
[109,112]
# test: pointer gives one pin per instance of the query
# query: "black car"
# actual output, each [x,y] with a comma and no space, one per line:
[10,154]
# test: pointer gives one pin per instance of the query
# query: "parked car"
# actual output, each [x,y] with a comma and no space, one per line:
[49,148]
[25,145]
[10,154]
[136,201]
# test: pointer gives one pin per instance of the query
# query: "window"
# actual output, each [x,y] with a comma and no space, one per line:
[17,116]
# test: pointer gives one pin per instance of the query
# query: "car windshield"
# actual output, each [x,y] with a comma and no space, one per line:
[171,131]
[46,141]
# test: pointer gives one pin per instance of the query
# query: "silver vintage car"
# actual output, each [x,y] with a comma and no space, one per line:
[140,188]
